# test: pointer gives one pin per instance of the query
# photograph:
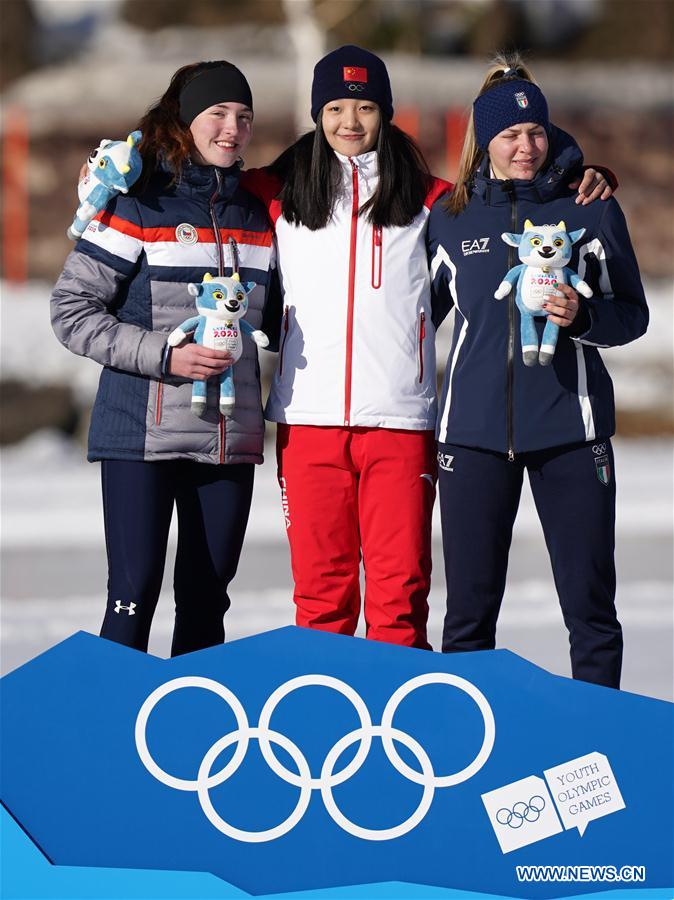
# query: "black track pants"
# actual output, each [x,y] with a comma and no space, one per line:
[574,492]
[213,503]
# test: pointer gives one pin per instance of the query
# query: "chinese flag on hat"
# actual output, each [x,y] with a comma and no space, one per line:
[355,73]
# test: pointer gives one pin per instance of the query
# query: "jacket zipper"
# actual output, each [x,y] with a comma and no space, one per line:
[511,326]
[221,272]
[216,230]
[377,254]
[422,335]
[160,391]
[352,286]
[235,255]
[283,342]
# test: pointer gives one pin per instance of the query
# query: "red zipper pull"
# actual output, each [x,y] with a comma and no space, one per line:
[377,256]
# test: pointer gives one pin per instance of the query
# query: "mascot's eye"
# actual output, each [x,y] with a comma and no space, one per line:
[240,295]
[558,243]
[102,163]
[218,295]
[536,242]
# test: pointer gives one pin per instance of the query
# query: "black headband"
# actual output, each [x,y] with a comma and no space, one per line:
[218,82]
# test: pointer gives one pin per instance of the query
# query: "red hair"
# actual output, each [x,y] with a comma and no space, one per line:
[165,136]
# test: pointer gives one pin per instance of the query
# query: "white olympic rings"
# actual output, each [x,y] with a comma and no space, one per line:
[303,779]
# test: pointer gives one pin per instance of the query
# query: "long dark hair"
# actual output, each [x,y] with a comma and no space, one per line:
[165,136]
[311,173]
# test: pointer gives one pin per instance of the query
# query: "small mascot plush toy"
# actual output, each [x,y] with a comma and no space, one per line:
[544,250]
[221,304]
[113,168]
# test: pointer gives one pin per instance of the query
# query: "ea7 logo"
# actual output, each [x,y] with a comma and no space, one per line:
[445,462]
[478,245]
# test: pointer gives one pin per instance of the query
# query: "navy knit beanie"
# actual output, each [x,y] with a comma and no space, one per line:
[351,72]
[512,102]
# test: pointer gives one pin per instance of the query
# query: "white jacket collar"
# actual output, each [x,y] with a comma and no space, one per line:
[367,165]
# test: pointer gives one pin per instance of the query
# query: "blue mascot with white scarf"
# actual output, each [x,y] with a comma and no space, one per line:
[114,167]
[545,251]
[221,303]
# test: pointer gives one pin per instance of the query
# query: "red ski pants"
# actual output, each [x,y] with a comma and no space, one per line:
[347,491]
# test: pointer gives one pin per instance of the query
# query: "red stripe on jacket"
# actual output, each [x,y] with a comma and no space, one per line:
[168,235]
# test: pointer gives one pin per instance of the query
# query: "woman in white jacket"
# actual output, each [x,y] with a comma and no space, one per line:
[354,393]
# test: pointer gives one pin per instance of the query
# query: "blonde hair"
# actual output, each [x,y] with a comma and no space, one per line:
[503,65]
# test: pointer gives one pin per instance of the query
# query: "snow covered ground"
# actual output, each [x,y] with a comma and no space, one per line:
[53,560]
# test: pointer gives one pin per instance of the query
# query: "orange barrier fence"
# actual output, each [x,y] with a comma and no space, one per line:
[409,120]
[15,196]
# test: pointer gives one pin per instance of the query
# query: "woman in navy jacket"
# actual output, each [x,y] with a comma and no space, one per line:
[123,290]
[499,414]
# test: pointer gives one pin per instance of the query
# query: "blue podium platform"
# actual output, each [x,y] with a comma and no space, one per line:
[302,763]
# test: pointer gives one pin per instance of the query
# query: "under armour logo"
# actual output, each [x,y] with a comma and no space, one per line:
[445,461]
[130,609]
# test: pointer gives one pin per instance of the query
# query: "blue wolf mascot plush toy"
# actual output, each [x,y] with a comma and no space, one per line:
[114,167]
[544,251]
[221,304]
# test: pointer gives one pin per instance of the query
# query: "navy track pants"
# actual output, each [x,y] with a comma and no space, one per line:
[574,492]
[213,503]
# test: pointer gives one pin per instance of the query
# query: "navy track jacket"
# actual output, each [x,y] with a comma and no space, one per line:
[490,399]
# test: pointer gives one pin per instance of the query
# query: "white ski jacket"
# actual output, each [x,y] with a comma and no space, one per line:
[357,345]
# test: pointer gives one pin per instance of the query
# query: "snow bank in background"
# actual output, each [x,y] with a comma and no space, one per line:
[24,313]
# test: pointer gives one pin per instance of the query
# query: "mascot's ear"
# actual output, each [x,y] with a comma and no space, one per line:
[134,138]
[208,277]
[193,289]
[576,235]
[529,225]
[512,239]
[249,285]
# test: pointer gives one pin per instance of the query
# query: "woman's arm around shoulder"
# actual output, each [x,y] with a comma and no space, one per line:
[263,184]
[617,311]
[83,299]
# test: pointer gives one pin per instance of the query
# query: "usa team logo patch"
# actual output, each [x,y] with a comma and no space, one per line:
[521,99]
[186,234]
[603,469]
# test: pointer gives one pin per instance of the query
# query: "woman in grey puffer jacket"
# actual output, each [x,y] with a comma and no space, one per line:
[121,293]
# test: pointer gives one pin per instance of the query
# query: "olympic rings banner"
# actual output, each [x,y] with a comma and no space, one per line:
[303,761]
